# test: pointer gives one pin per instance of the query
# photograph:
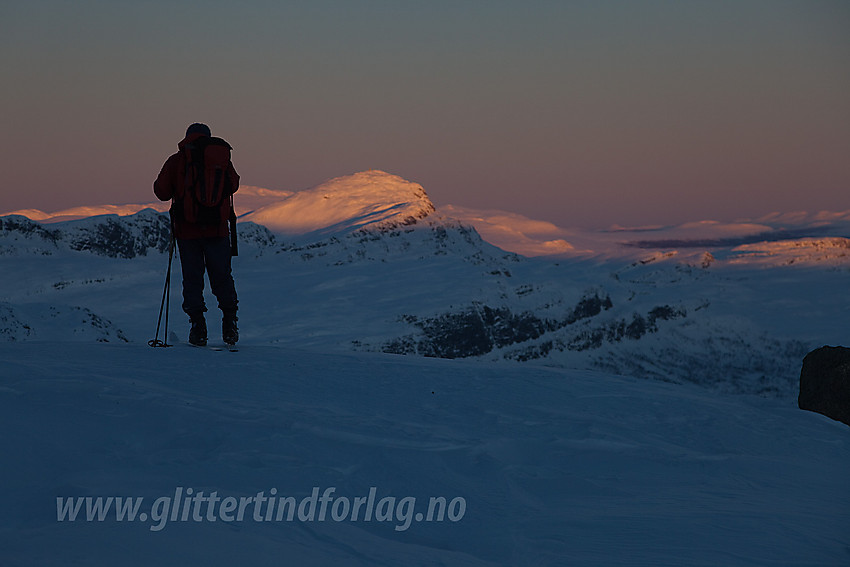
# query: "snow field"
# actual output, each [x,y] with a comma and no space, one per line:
[555,466]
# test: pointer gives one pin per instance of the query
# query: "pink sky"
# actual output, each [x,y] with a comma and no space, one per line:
[581,114]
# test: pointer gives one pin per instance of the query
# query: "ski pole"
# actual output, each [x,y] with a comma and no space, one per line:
[166,296]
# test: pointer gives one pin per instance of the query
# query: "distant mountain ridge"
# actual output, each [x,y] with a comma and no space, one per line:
[375,199]
[387,271]
[369,199]
[114,236]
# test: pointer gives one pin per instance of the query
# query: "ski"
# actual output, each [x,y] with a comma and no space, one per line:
[230,348]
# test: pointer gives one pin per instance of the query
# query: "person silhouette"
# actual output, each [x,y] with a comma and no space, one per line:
[200,180]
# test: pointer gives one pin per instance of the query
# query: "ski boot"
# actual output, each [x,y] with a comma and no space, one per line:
[198,332]
[229,331]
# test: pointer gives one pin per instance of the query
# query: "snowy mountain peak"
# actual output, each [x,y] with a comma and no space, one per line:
[369,199]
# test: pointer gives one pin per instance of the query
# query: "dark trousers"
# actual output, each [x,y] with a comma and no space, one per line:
[213,256]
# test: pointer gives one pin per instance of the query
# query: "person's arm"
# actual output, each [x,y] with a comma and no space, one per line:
[164,185]
[234,177]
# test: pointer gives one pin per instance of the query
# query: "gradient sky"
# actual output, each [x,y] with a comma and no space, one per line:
[587,113]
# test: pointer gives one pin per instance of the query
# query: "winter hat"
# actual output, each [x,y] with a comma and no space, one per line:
[198,128]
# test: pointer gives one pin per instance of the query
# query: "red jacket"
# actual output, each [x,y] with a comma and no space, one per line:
[170,184]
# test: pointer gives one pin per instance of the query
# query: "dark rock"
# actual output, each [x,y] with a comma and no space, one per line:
[26,227]
[113,236]
[616,331]
[478,329]
[122,237]
[825,383]
[589,307]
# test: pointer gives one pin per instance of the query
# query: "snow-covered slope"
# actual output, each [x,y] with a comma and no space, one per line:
[544,466]
[532,237]
[366,200]
[375,198]
[808,251]
[111,235]
[409,280]
[370,199]
[248,198]
[589,422]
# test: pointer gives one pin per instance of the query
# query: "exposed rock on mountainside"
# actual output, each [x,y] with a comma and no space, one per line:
[107,235]
[479,328]
[110,235]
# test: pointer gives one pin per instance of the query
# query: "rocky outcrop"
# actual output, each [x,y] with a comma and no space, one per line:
[108,235]
[478,329]
[825,383]
[121,237]
[112,236]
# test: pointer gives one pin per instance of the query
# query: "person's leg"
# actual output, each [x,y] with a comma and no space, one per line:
[217,254]
[192,266]
[217,257]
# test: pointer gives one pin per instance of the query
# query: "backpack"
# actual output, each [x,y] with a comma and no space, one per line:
[208,185]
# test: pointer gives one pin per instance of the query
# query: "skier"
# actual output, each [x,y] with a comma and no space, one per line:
[200,180]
